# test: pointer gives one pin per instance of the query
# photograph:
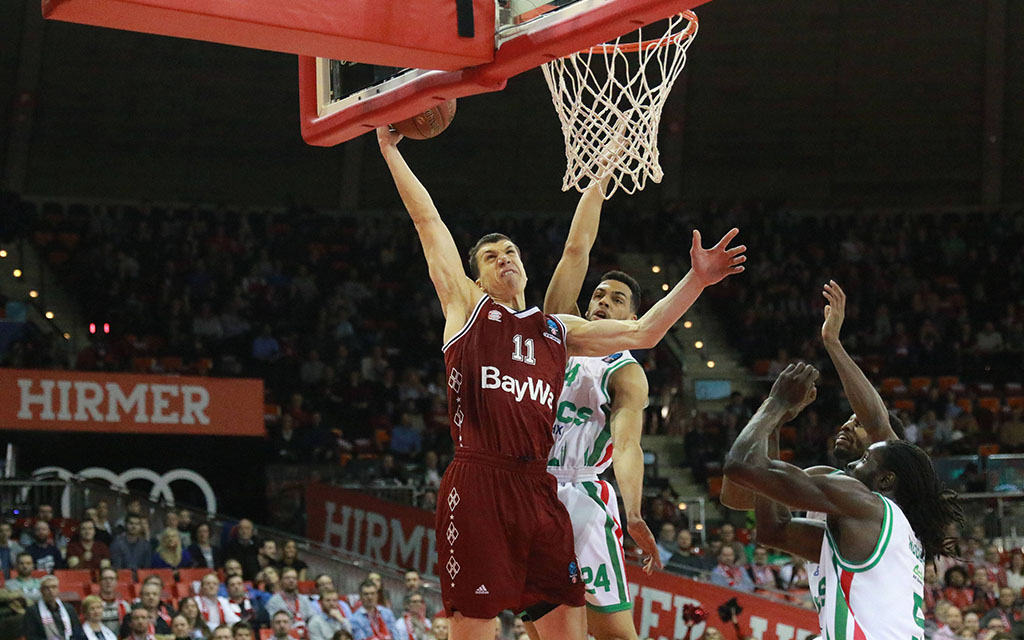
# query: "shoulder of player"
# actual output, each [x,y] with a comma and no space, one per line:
[625,372]
[843,490]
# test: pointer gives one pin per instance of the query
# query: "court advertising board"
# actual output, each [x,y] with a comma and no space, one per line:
[401,536]
[384,532]
[659,598]
[126,403]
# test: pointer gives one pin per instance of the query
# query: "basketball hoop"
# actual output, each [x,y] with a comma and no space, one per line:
[609,99]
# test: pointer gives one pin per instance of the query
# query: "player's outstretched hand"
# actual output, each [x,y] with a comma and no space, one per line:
[644,539]
[715,264]
[793,385]
[835,312]
[386,137]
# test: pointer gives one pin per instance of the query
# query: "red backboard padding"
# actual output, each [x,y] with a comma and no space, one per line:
[420,34]
[557,39]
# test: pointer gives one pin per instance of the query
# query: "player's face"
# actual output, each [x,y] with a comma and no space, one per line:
[611,300]
[501,269]
[866,468]
[851,441]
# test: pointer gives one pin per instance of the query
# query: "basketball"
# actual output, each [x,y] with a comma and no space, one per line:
[427,124]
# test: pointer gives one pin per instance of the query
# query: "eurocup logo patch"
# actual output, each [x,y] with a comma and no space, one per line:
[612,358]
[573,570]
[554,332]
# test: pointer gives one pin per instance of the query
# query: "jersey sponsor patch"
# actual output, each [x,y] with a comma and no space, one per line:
[494,314]
[554,332]
[612,358]
[573,572]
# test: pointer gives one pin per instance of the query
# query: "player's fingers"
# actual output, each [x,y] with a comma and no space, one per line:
[735,250]
[738,260]
[696,239]
[727,238]
[735,270]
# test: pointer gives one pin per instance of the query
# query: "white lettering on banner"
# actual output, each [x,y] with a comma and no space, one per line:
[334,527]
[42,398]
[381,539]
[540,391]
[648,619]
[405,552]
[784,631]
[376,535]
[758,626]
[161,403]
[137,398]
[196,400]
[65,388]
[90,399]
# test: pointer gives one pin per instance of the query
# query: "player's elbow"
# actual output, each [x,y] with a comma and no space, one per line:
[577,248]
[739,471]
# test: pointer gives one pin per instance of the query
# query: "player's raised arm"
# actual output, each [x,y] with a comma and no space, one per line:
[564,289]
[864,399]
[776,526]
[629,398]
[707,267]
[748,464]
[456,291]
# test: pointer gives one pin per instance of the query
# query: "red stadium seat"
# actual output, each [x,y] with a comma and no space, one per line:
[988,449]
[920,383]
[890,384]
[167,575]
[905,404]
[307,587]
[991,403]
[946,382]
[1015,402]
[188,576]
[73,579]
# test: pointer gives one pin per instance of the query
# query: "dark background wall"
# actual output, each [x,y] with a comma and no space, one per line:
[825,102]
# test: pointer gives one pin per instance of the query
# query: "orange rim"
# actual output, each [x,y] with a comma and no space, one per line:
[643,45]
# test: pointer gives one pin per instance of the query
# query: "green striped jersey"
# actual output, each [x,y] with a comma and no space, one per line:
[881,598]
[582,434]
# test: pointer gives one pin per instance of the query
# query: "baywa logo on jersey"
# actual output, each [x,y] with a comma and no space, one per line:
[573,572]
[494,315]
[538,390]
[554,331]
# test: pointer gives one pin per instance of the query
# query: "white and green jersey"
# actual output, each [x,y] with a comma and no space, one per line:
[583,437]
[881,598]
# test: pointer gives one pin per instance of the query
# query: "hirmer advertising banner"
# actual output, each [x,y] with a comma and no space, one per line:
[102,402]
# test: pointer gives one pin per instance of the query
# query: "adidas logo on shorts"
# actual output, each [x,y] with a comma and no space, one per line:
[482,591]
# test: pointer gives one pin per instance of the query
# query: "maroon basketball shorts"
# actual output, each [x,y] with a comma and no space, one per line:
[504,541]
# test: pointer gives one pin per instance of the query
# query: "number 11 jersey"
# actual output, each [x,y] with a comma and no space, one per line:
[505,374]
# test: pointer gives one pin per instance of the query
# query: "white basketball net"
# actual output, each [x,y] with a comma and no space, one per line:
[609,99]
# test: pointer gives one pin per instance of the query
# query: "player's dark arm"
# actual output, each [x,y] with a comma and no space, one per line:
[740,499]
[567,281]
[864,398]
[776,526]
[454,288]
[629,398]
[748,465]
[708,266]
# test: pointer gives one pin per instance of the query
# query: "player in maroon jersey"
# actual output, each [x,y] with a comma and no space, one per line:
[504,539]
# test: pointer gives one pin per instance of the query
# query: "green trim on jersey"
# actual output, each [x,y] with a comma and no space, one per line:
[607,374]
[842,610]
[611,608]
[609,534]
[880,546]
